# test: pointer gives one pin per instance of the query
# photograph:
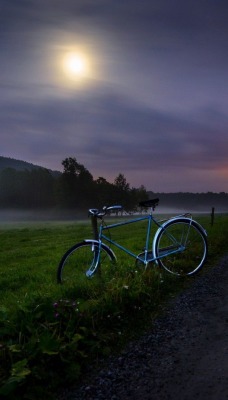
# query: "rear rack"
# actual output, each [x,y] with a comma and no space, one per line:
[186,215]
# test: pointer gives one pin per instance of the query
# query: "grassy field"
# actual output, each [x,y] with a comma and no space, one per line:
[46,328]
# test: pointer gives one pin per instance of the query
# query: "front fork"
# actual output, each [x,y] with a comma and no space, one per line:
[96,250]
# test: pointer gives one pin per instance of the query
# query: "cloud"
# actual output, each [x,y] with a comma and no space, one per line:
[157,106]
[110,130]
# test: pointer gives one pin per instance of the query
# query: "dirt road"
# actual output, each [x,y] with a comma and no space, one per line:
[184,356]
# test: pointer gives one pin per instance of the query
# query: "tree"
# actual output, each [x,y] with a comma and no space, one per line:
[9,185]
[122,191]
[138,195]
[121,183]
[71,166]
[26,189]
[104,192]
[75,186]
[41,187]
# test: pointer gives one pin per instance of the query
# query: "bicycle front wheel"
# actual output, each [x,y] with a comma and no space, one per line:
[181,247]
[81,261]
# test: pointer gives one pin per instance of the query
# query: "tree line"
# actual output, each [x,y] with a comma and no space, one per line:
[73,188]
[193,201]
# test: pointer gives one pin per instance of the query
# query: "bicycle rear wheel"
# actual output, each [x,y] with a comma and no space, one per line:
[182,246]
[81,261]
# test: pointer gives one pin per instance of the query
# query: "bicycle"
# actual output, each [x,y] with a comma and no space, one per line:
[179,244]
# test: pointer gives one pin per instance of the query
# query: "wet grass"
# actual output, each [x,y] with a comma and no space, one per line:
[45,327]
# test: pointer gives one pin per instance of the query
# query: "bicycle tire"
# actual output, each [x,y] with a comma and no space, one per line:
[189,239]
[79,262]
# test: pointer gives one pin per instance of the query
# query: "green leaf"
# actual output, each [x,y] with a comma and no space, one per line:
[15,348]
[48,344]
[18,374]
[20,370]
[77,337]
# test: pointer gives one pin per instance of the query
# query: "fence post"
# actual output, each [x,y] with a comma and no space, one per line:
[212,216]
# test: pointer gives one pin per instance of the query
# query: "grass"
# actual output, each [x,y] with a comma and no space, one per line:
[46,328]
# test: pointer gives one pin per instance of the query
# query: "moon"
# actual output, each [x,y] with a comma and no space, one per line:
[75,65]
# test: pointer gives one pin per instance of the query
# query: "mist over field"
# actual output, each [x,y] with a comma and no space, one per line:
[12,215]
[36,216]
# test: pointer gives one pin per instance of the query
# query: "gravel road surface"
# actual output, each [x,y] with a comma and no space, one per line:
[184,356]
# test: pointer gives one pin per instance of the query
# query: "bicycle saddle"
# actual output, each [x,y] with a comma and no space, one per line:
[149,203]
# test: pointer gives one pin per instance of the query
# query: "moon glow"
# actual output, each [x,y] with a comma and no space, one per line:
[75,65]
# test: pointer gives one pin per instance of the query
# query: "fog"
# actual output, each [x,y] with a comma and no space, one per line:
[11,216]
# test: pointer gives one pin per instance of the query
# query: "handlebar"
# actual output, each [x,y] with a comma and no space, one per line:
[101,213]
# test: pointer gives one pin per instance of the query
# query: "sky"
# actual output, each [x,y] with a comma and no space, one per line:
[132,87]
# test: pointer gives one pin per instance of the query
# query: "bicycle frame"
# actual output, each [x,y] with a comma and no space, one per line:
[145,259]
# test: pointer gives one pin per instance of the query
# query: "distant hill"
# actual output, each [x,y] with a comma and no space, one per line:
[19,165]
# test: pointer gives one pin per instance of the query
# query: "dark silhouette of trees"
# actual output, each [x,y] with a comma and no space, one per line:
[103,194]
[26,189]
[75,188]
[122,191]
[193,201]
[137,195]
[9,187]
[74,185]
[121,183]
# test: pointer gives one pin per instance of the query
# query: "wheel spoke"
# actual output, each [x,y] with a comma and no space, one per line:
[182,247]
[81,262]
